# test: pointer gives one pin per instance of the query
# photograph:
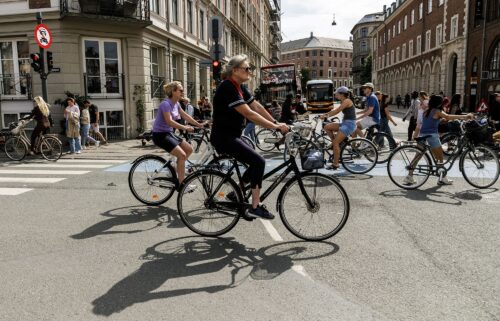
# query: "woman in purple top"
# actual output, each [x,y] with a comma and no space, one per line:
[165,124]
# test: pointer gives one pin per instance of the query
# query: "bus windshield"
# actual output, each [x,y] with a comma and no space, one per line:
[319,92]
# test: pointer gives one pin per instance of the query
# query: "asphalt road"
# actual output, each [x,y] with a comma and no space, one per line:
[83,248]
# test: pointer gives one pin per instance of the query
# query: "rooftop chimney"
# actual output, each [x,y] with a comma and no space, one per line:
[312,35]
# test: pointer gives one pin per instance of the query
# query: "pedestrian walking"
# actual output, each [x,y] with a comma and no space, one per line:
[407,100]
[72,115]
[206,108]
[422,107]
[94,121]
[385,115]
[85,124]
[399,101]
[413,114]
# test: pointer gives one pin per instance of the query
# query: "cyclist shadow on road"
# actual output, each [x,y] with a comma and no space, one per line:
[432,194]
[125,216]
[193,256]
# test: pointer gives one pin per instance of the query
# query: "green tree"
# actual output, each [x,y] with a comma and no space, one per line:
[366,74]
[305,76]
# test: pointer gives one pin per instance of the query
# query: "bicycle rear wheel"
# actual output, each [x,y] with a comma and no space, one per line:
[385,144]
[209,216]
[480,166]
[266,138]
[15,148]
[405,158]
[358,156]
[325,218]
[51,148]
[150,181]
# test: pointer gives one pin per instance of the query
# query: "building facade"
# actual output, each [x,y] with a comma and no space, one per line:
[120,54]
[361,47]
[483,52]
[421,45]
[326,58]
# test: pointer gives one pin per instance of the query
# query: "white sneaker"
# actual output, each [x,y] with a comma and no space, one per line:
[97,143]
[190,188]
[409,180]
[78,151]
[444,181]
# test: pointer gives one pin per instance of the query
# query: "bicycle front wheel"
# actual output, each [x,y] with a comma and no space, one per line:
[359,156]
[51,148]
[15,148]
[324,217]
[206,215]
[266,138]
[480,166]
[407,159]
[150,181]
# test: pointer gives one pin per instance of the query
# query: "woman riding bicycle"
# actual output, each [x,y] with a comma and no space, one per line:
[232,104]
[41,114]
[344,129]
[165,124]
[430,122]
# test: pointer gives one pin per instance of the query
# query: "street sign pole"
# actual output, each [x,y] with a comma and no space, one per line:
[43,75]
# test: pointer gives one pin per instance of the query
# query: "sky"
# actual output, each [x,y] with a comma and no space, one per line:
[300,17]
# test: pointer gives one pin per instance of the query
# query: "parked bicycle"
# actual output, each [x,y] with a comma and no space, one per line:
[478,163]
[311,205]
[18,146]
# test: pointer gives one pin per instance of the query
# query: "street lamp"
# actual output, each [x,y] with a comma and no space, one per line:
[333,22]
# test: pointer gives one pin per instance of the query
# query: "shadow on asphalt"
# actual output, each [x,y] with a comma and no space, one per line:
[434,195]
[131,215]
[191,256]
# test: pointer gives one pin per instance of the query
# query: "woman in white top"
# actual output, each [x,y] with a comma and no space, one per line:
[72,115]
[422,107]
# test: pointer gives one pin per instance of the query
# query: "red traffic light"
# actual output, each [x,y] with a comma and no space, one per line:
[215,63]
[35,57]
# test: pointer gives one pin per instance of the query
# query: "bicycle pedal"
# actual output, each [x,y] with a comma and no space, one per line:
[246,217]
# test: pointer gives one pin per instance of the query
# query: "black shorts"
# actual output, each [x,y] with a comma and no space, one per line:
[168,141]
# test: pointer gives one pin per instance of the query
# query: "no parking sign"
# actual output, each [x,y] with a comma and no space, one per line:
[43,36]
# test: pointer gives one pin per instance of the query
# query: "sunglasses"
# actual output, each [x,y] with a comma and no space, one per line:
[247,69]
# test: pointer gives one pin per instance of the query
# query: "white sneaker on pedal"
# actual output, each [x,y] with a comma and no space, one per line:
[97,143]
[409,180]
[444,181]
[190,188]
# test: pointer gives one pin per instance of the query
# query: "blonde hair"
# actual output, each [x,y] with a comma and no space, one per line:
[233,63]
[171,87]
[44,107]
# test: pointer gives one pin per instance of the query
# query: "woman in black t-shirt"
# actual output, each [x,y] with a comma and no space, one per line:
[233,103]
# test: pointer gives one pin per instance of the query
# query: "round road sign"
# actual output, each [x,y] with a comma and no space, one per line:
[43,36]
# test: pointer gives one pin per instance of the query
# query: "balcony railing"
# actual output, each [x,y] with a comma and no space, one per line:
[125,10]
[108,85]
[15,86]
[157,87]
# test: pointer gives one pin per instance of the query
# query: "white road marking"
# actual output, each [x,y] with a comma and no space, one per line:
[271,230]
[300,270]
[114,161]
[41,172]
[48,180]
[13,191]
[55,165]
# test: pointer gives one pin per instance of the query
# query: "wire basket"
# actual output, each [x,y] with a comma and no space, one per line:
[303,129]
[476,132]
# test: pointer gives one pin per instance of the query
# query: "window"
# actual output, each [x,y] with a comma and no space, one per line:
[190,16]
[330,53]
[202,25]
[176,62]
[14,68]
[410,49]
[321,53]
[389,35]
[420,11]
[392,57]
[314,74]
[363,46]
[329,73]
[315,53]
[403,52]
[335,64]
[335,54]
[314,63]
[307,53]
[398,54]
[405,23]
[321,63]
[102,66]
[394,31]
[419,45]
[454,27]
[14,117]
[154,6]
[156,81]
[399,27]
[321,73]
[175,12]
[494,64]
[428,40]
[429,6]
[329,63]
[412,20]
[363,32]
[439,35]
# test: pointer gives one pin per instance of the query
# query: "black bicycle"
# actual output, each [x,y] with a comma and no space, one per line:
[384,142]
[311,205]
[479,164]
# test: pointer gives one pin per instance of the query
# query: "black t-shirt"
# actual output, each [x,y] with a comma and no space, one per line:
[92,110]
[382,110]
[226,120]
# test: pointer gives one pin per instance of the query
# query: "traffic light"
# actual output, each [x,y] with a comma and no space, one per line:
[50,62]
[216,70]
[36,62]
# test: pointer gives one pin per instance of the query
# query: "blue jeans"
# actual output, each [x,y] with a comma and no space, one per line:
[250,131]
[74,142]
[85,134]
[384,126]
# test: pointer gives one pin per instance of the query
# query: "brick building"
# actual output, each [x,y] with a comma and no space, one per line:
[326,58]
[483,51]
[421,45]
[361,47]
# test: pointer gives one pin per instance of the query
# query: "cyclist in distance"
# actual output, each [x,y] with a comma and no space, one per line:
[166,123]
[41,114]
[344,129]
[232,104]
[371,115]
[430,122]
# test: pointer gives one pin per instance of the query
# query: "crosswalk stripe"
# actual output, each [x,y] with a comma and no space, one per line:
[7,191]
[55,165]
[42,172]
[118,161]
[41,180]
